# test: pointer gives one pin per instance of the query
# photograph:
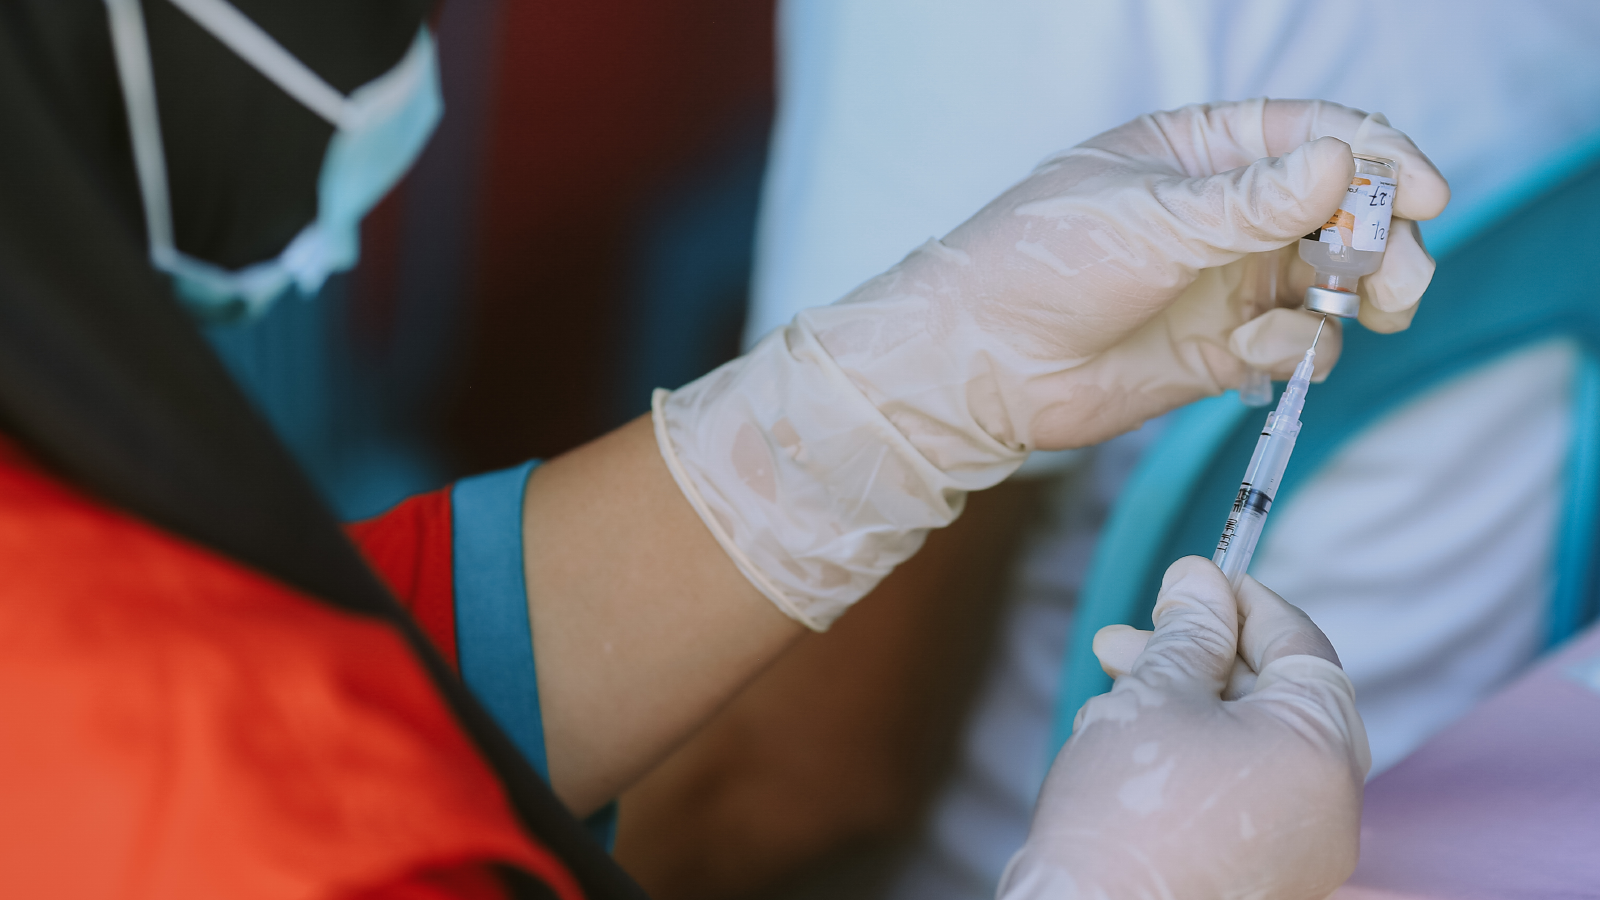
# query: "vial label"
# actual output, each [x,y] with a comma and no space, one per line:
[1362,220]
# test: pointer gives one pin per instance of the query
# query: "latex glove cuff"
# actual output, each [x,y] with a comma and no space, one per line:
[810,488]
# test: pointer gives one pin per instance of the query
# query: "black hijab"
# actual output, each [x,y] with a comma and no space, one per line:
[108,382]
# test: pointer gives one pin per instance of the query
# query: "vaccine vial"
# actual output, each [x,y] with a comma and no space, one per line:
[1351,244]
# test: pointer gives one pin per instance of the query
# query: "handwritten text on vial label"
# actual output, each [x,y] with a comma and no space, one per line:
[1362,220]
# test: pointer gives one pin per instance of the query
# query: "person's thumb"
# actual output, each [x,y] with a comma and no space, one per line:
[1195,639]
[1264,205]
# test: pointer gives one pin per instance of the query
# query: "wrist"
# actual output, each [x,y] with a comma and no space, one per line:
[915,343]
[819,478]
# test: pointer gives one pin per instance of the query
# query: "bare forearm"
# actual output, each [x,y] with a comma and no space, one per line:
[847,733]
[642,626]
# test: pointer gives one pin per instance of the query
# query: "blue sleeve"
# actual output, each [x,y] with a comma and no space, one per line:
[494,637]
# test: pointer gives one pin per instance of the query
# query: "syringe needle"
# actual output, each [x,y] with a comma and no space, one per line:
[1319,332]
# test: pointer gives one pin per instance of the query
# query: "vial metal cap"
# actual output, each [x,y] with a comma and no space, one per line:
[1343,304]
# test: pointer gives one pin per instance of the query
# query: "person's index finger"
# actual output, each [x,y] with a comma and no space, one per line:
[1209,139]
[1271,628]
[1195,639]
[1319,696]
[1421,195]
[1192,141]
[1422,191]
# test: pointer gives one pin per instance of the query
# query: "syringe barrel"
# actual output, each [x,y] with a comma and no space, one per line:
[1248,516]
[1246,526]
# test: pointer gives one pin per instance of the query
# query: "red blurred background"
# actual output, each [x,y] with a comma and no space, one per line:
[596,163]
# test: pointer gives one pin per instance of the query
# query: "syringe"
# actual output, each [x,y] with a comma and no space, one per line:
[1249,514]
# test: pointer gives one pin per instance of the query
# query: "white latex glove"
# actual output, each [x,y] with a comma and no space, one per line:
[1166,789]
[1121,279]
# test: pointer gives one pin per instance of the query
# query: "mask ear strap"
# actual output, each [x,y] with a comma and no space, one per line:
[132,48]
[257,48]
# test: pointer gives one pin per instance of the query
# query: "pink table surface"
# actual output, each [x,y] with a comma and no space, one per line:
[1505,803]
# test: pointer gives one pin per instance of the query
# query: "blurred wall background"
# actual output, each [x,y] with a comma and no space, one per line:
[577,232]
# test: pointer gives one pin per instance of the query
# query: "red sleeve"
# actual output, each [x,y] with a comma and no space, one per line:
[411,549]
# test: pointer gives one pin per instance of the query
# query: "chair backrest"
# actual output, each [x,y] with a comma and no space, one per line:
[1513,275]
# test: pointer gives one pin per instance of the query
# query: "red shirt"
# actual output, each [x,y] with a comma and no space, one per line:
[175,725]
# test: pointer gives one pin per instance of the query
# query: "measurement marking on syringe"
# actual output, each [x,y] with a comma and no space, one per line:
[1231,527]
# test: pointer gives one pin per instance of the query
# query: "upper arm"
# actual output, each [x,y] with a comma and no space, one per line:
[453,557]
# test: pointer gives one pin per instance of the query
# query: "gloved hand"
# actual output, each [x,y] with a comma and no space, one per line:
[1112,284]
[1121,279]
[1166,789]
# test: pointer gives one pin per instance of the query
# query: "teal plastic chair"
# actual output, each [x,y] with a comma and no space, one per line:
[1509,274]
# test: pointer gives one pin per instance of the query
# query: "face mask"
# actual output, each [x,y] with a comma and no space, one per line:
[379,130]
